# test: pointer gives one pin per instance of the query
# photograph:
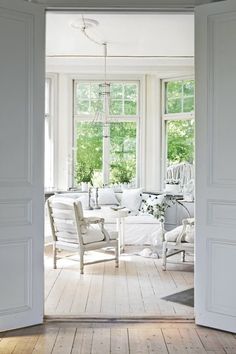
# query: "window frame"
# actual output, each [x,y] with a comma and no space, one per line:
[51,118]
[113,118]
[165,117]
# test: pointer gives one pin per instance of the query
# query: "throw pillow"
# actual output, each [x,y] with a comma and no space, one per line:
[132,199]
[150,200]
[106,196]
[172,235]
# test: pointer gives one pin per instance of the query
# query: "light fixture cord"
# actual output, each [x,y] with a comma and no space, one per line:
[105,61]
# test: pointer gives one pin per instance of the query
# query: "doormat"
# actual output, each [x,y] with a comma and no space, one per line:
[185,297]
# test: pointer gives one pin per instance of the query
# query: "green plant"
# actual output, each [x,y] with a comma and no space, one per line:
[158,210]
[83,173]
[121,172]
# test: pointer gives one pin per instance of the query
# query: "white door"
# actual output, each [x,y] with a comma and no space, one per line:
[21,163]
[216,165]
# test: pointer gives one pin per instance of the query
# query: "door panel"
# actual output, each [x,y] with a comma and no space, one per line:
[21,161]
[215,165]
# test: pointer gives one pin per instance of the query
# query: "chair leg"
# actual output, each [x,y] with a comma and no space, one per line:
[183,256]
[81,260]
[54,257]
[164,258]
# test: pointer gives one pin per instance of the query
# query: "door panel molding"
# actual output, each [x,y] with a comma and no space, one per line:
[22,66]
[20,263]
[15,212]
[219,27]
[217,263]
[216,210]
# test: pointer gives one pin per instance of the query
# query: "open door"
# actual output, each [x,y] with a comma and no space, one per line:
[216,165]
[22,163]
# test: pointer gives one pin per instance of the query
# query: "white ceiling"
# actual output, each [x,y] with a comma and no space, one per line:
[140,36]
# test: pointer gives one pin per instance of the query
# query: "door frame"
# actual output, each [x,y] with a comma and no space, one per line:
[122,10]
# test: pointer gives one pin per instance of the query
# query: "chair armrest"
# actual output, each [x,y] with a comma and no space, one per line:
[93,220]
[188,221]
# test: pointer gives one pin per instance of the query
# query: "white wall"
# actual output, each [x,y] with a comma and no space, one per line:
[152,148]
[64,143]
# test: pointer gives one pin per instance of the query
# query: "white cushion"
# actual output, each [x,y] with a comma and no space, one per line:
[189,235]
[83,197]
[172,235]
[57,199]
[67,236]
[69,195]
[106,196]
[132,199]
[92,235]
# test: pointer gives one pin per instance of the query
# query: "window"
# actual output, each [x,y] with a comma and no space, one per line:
[178,117]
[106,153]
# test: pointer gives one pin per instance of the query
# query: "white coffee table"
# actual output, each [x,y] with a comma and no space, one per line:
[108,212]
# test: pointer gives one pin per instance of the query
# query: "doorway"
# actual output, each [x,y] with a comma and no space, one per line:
[71,77]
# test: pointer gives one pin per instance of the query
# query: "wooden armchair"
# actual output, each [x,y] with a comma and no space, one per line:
[72,231]
[184,241]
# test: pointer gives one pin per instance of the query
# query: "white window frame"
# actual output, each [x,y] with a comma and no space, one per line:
[165,117]
[51,118]
[112,118]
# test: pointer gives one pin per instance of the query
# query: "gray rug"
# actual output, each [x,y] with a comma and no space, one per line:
[185,297]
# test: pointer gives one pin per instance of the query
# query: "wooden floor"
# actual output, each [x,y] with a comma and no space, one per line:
[134,289]
[65,338]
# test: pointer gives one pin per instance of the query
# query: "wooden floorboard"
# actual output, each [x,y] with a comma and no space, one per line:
[136,288]
[91,338]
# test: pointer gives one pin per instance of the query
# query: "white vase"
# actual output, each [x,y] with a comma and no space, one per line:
[172,188]
[84,186]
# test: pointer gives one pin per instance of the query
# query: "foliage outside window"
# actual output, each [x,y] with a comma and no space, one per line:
[179,122]
[179,96]
[180,141]
[122,152]
[88,151]
[123,99]
[113,150]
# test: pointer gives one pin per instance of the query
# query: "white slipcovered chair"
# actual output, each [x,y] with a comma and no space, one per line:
[72,231]
[178,240]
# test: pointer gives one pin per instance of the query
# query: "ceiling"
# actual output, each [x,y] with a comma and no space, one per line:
[141,38]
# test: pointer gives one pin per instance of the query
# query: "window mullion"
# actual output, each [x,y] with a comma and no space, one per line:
[123,100]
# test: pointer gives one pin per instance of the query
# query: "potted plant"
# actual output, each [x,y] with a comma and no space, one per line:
[83,175]
[158,209]
[172,186]
[121,173]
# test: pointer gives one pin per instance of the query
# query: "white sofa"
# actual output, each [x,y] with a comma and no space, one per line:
[139,227]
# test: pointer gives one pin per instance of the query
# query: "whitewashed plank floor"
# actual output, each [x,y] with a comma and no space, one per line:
[137,338]
[136,288]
